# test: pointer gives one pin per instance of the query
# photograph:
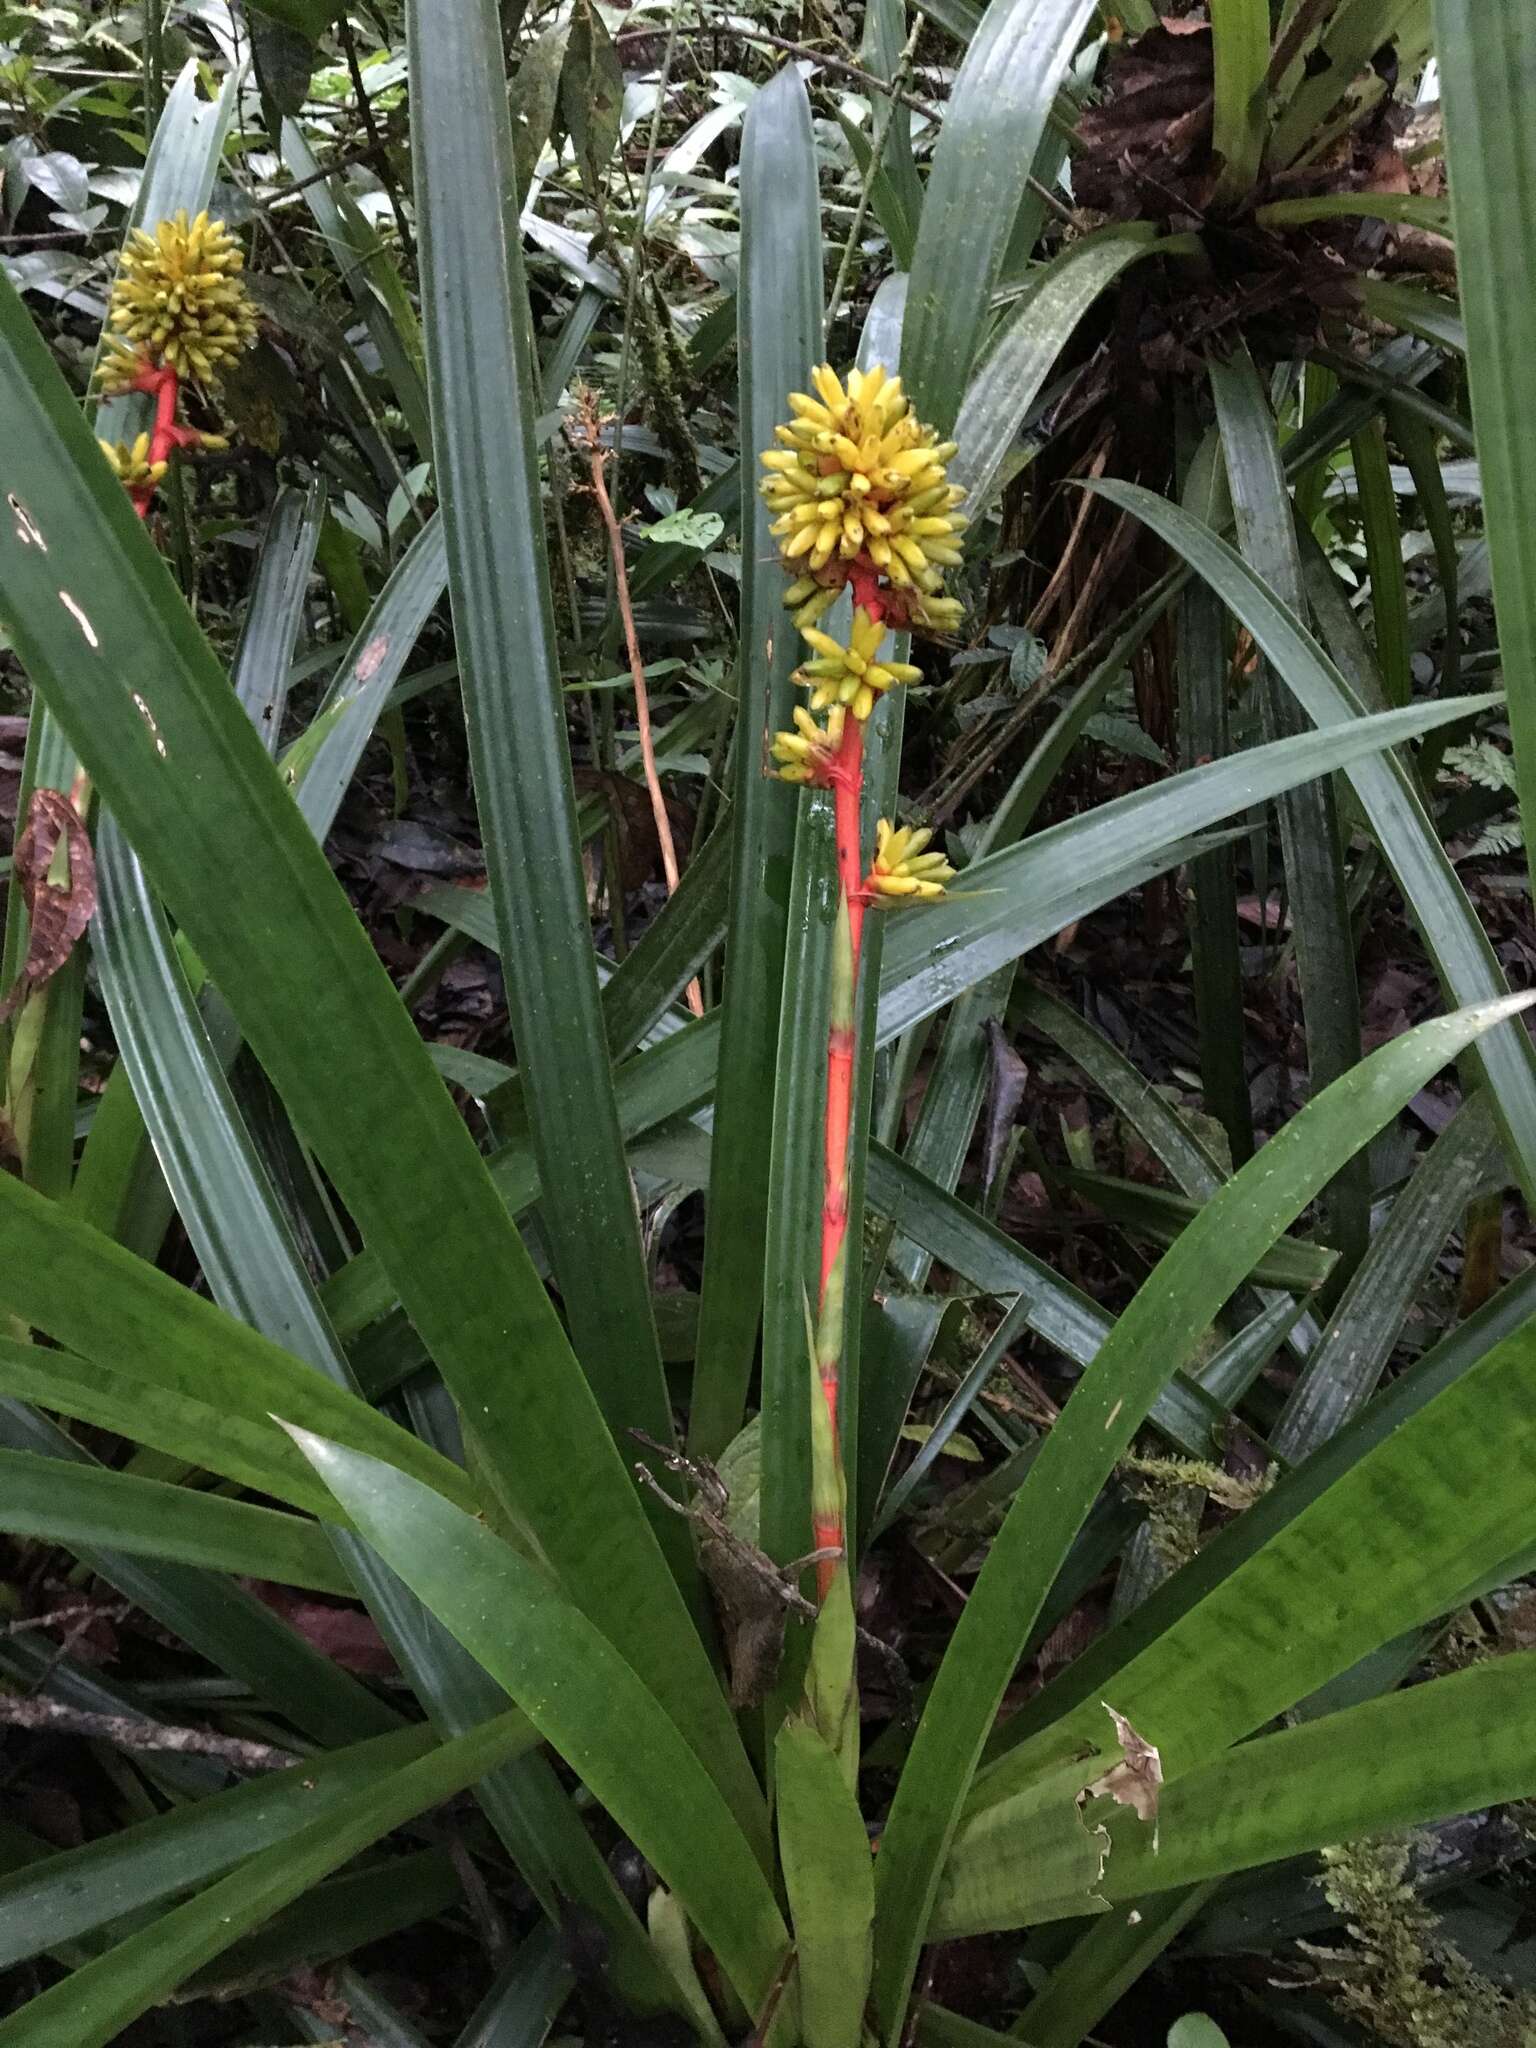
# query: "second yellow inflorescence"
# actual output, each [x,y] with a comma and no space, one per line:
[178,299]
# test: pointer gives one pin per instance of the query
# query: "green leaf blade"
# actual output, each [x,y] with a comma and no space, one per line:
[992,124]
[484,391]
[779,338]
[581,1696]
[1157,1333]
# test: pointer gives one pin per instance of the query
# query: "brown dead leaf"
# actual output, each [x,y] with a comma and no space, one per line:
[1007,1078]
[1137,1780]
[55,870]
[344,1634]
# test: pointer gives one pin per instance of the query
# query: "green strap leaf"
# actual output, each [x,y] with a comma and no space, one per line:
[992,126]
[1310,835]
[1456,941]
[1011,901]
[1448,1747]
[202,1434]
[581,1696]
[484,390]
[68,1504]
[219,1620]
[93,2006]
[1027,348]
[136,687]
[1103,1964]
[779,338]
[1340,1372]
[829,1876]
[1240,121]
[274,612]
[1155,1335]
[68,1280]
[46,1904]
[1096,1674]
[1406,1532]
[1487,59]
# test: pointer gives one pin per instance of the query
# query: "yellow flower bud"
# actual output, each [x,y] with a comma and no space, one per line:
[131,465]
[806,754]
[903,867]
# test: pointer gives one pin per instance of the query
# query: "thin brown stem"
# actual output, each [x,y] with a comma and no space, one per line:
[130,1731]
[776,1989]
[597,458]
[80,1611]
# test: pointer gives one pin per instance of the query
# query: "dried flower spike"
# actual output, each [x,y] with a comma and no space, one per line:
[178,301]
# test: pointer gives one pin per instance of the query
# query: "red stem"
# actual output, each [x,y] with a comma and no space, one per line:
[164,435]
[847,794]
[847,781]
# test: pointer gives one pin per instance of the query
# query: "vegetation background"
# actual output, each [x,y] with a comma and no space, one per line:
[417,996]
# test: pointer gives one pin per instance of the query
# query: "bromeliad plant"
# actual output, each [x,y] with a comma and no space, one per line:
[491,1519]
[178,313]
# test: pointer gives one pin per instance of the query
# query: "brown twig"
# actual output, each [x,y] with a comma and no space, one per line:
[129,1731]
[78,1611]
[776,1990]
[588,425]
[348,160]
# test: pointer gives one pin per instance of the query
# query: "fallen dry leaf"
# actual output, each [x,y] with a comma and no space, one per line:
[55,870]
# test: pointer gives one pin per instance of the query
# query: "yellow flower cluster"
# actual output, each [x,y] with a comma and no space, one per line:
[806,754]
[857,476]
[131,465]
[903,867]
[178,300]
[851,676]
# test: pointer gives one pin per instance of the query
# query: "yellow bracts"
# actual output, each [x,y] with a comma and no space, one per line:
[806,754]
[851,676]
[903,867]
[131,465]
[861,500]
[178,300]
[857,473]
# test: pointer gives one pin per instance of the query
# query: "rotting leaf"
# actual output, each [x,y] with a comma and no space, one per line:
[534,100]
[753,1595]
[55,870]
[1007,1078]
[1137,1780]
